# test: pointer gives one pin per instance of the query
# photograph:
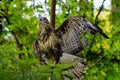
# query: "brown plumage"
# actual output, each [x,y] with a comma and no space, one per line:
[60,45]
[68,38]
[48,44]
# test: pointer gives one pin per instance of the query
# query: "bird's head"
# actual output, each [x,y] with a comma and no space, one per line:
[44,24]
[43,21]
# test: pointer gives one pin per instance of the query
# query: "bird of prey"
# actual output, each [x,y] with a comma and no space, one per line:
[60,45]
[68,38]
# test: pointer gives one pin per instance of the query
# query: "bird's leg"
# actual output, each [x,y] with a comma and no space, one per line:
[56,57]
[54,62]
[57,53]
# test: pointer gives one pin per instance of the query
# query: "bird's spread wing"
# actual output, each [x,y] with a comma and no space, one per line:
[73,31]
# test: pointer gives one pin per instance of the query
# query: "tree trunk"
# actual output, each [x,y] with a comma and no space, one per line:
[52,14]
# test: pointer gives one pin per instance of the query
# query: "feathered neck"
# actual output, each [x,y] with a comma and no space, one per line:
[44,33]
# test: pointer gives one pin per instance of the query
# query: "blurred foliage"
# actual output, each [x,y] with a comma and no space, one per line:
[19,30]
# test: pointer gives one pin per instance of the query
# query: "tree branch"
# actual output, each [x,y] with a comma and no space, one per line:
[52,14]
[100,9]
[1,28]
[96,20]
[19,45]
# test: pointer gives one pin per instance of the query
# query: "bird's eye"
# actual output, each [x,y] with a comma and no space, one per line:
[40,19]
[44,18]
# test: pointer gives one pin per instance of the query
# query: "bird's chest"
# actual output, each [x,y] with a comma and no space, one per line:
[50,43]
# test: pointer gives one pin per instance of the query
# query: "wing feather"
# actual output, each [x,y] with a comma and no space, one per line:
[73,30]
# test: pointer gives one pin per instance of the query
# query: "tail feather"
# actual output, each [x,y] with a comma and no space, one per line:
[104,35]
[101,32]
[93,29]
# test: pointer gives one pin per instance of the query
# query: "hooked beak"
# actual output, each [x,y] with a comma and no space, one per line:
[40,17]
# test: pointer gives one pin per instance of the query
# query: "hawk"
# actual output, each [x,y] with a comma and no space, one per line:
[68,38]
[62,44]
